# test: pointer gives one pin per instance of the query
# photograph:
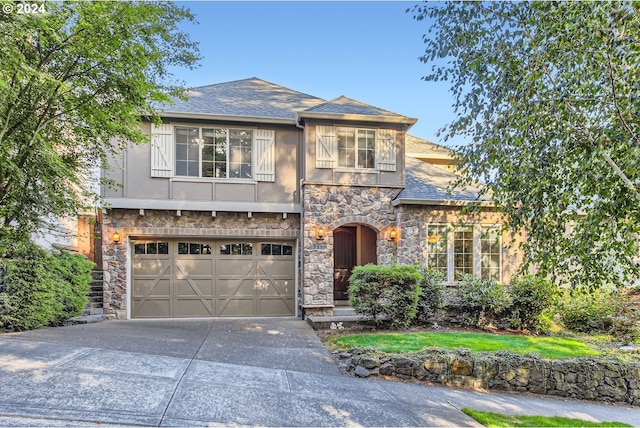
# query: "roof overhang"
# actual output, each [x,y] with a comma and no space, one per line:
[358,117]
[441,202]
[226,118]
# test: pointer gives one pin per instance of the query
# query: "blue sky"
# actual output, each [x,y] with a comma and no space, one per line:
[364,50]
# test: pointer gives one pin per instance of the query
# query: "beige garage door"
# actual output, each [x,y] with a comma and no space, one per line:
[199,278]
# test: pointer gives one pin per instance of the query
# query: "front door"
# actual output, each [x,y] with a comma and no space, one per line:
[344,259]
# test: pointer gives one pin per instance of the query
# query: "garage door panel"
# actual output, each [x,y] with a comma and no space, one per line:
[195,267]
[151,308]
[194,287]
[277,288]
[194,308]
[275,306]
[233,268]
[149,266]
[236,307]
[234,287]
[152,286]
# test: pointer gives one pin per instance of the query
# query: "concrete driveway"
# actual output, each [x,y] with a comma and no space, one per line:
[267,372]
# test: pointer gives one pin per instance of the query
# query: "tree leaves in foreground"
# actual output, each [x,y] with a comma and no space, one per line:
[549,95]
[71,79]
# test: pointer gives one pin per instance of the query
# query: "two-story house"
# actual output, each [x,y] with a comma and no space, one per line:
[256,200]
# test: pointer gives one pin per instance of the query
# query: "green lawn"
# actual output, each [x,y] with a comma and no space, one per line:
[497,420]
[550,347]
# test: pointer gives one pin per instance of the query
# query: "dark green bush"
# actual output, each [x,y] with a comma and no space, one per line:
[600,311]
[41,289]
[531,297]
[73,279]
[388,295]
[481,301]
[432,295]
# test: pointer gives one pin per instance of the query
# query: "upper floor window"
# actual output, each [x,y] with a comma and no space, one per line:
[457,251]
[343,147]
[356,148]
[214,152]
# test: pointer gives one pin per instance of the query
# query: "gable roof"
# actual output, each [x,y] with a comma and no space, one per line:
[419,147]
[427,184]
[343,106]
[248,98]
[255,99]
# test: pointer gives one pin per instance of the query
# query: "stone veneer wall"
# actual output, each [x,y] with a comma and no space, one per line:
[597,379]
[331,206]
[167,224]
[414,219]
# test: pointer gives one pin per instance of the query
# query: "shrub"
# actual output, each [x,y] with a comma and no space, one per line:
[531,297]
[431,298]
[600,310]
[41,289]
[388,295]
[73,279]
[482,301]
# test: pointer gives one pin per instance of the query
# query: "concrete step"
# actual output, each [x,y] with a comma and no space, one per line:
[325,323]
[86,319]
[344,311]
[92,311]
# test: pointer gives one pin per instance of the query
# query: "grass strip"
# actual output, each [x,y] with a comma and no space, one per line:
[498,420]
[549,347]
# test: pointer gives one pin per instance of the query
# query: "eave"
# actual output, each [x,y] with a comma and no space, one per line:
[358,117]
[226,118]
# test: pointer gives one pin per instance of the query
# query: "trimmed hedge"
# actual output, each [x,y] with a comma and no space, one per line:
[40,288]
[388,295]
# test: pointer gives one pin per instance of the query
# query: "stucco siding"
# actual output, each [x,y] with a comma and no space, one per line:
[132,172]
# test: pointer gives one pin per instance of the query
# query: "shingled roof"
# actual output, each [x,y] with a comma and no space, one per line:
[429,184]
[417,147]
[344,105]
[253,98]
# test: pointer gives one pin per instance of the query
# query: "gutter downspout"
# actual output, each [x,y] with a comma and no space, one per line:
[302,169]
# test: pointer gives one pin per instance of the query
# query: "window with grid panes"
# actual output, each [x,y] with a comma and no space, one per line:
[462,252]
[356,148]
[490,253]
[214,152]
[437,251]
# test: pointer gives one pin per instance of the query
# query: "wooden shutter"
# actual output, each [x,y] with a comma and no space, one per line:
[386,150]
[326,147]
[265,155]
[161,150]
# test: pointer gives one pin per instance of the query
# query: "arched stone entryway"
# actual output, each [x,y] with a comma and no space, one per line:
[353,245]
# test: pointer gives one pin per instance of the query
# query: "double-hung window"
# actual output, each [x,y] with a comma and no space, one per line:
[460,250]
[356,148]
[214,152]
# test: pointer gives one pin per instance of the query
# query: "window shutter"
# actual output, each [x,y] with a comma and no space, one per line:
[161,150]
[326,147]
[386,150]
[265,155]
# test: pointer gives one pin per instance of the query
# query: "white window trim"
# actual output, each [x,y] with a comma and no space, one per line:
[200,147]
[477,249]
[356,167]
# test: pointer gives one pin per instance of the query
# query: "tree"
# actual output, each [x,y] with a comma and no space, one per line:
[548,95]
[71,80]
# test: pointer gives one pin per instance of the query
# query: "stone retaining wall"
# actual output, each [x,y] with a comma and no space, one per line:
[596,379]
